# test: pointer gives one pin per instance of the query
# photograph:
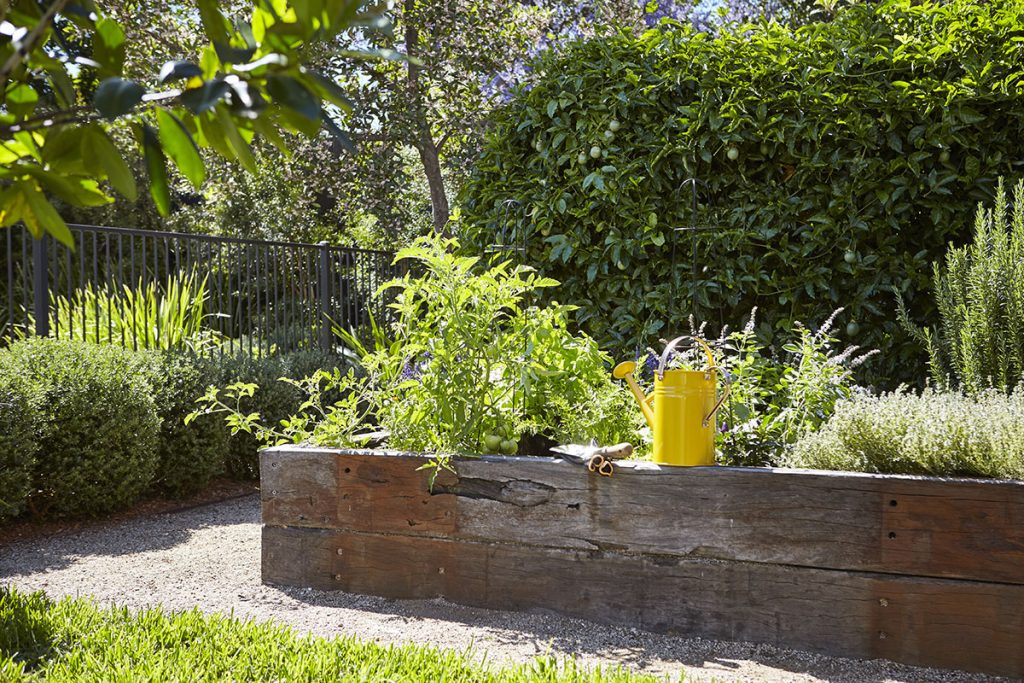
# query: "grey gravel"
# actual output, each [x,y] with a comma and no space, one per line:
[209,557]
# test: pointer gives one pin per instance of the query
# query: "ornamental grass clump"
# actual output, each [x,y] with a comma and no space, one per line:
[169,317]
[935,432]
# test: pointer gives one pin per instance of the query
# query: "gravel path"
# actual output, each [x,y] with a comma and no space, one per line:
[210,557]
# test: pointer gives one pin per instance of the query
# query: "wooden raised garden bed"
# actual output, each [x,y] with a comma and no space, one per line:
[924,571]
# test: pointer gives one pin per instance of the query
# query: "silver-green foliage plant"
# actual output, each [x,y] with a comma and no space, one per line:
[979,343]
[936,433]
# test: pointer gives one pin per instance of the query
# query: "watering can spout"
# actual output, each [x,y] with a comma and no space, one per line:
[625,371]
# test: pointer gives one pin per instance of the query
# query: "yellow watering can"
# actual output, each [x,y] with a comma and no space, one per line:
[681,410]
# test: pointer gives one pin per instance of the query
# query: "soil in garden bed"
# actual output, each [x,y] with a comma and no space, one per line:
[218,490]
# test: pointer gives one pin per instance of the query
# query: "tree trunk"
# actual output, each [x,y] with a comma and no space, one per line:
[424,139]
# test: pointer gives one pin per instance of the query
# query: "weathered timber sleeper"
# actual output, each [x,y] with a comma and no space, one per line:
[919,570]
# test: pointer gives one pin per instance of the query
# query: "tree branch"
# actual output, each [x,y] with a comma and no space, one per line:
[59,118]
[19,55]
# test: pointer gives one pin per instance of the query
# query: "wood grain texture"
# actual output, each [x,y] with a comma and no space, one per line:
[906,525]
[928,622]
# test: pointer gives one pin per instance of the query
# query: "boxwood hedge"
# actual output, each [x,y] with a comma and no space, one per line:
[99,425]
[836,162]
[19,439]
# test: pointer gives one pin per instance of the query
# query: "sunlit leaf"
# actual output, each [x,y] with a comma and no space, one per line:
[180,147]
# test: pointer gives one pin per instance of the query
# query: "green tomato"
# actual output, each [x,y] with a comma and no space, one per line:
[852,329]
[850,257]
[614,126]
[764,150]
[733,154]
[595,152]
[581,158]
[509,447]
[609,135]
[492,443]
[944,156]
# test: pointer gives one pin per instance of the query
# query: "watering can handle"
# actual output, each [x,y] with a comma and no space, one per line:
[725,394]
[663,364]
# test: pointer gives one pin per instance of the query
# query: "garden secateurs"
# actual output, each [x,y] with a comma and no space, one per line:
[596,458]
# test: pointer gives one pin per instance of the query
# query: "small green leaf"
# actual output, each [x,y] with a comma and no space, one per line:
[156,166]
[235,141]
[22,99]
[179,145]
[204,98]
[40,215]
[214,24]
[117,96]
[177,70]
[293,94]
[96,144]
[332,92]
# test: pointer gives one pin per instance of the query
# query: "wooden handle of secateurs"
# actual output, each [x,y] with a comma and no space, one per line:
[619,450]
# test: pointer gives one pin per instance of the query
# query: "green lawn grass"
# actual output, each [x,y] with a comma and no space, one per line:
[73,640]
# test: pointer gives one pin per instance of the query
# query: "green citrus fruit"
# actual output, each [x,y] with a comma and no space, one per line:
[595,152]
[850,257]
[614,126]
[944,156]
[608,135]
[581,158]
[852,329]
[733,154]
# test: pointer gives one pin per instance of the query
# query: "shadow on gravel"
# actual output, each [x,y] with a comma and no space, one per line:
[550,633]
[124,537]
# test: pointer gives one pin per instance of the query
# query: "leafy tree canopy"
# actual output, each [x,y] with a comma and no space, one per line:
[65,81]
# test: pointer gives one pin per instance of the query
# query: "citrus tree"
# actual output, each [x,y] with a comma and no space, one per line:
[63,86]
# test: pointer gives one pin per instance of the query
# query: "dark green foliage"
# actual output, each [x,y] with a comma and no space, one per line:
[100,432]
[980,294]
[190,455]
[19,439]
[837,161]
[275,400]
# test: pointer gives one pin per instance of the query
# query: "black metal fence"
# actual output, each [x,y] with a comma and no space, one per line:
[260,297]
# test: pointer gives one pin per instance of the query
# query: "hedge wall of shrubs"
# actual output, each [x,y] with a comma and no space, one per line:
[88,429]
[19,440]
[97,422]
[836,162]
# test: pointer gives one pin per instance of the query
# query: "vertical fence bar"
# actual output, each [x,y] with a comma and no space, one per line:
[324,296]
[41,285]
[10,279]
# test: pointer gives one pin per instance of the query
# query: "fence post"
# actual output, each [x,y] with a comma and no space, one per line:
[41,285]
[324,296]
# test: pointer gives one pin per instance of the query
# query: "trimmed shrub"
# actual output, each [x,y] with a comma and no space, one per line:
[836,161]
[275,401]
[190,455]
[19,439]
[938,433]
[98,451]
